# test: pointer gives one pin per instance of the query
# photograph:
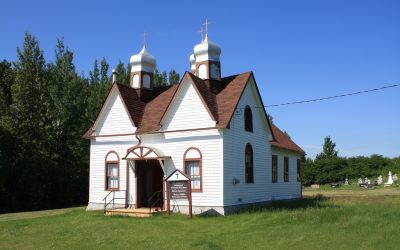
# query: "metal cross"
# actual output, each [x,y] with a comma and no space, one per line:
[201,31]
[144,39]
[206,24]
[177,175]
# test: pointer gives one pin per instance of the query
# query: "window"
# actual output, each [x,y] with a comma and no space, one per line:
[274,168]
[249,164]
[112,171]
[248,119]
[298,170]
[286,170]
[193,164]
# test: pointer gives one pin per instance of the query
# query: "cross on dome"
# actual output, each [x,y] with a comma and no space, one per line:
[206,25]
[201,31]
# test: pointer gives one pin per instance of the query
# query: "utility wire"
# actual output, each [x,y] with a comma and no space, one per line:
[333,97]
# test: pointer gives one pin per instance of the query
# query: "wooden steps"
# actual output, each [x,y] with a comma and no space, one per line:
[134,212]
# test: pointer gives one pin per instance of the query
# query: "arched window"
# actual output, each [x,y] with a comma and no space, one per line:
[192,160]
[248,159]
[203,71]
[112,171]
[248,119]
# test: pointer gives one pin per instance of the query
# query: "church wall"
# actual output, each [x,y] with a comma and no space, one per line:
[114,118]
[187,111]
[292,188]
[209,142]
[99,147]
[235,140]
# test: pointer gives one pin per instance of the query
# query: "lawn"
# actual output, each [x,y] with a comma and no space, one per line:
[324,219]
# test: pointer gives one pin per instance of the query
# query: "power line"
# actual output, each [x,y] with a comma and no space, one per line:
[333,97]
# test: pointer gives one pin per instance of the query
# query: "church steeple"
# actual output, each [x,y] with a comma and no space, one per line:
[206,58]
[143,66]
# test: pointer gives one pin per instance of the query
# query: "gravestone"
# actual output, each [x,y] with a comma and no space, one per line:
[379,181]
[390,180]
[346,181]
[394,177]
[359,181]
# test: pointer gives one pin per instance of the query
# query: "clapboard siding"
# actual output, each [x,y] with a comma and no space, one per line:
[292,188]
[187,111]
[114,118]
[99,147]
[235,140]
[209,142]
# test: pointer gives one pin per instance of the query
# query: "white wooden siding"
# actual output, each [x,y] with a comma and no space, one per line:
[235,140]
[99,147]
[114,118]
[209,142]
[187,111]
[292,188]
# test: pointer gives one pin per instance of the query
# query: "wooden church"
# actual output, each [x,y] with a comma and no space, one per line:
[214,129]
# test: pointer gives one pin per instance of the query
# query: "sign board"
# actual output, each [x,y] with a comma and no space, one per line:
[178,190]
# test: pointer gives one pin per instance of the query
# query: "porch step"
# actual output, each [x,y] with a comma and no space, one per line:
[134,212]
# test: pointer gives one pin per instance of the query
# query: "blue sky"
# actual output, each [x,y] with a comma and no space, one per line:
[297,50]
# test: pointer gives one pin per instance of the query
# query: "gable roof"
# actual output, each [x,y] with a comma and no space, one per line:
[220,98]
[282,140]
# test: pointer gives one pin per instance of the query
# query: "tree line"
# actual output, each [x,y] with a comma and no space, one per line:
[329,167]
[45,108]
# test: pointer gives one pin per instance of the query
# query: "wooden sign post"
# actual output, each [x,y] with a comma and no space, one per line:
[179,188]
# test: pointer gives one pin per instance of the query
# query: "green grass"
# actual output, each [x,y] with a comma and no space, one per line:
[331,219]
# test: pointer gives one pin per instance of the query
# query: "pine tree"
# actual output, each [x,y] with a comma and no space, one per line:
[123,74]
[328,150]
[7,78]
[173,77]
[30,91]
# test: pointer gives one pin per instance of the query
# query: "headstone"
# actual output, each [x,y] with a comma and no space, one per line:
[394,177]
[346,181]
[359,181]
[366,180]
[315,186]
[379,181]
[390,180]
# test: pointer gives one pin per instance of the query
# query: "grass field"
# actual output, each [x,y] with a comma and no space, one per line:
[324,219]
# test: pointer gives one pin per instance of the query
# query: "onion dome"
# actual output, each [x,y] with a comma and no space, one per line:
[207,51]
[143,61]
[192,60]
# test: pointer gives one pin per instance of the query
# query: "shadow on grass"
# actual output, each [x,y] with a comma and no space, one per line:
[317,201]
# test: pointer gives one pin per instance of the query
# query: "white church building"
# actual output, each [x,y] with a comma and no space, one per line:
[214,129]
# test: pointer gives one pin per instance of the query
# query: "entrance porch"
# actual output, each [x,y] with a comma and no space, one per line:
[149,190]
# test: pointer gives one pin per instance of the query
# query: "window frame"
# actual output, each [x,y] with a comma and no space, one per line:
[248,119]
[107,163]
[274,169]
[249,179]
[298,170]
[286,169]
[185,166]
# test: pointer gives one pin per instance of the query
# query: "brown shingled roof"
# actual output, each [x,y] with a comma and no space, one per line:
[155,110]
[283,141]
[220,97]
[133,104]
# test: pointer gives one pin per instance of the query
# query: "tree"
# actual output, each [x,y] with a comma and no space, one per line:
[123,74]
[30,92]
[328,149]
[160,79]
[7,78]
[173,77]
